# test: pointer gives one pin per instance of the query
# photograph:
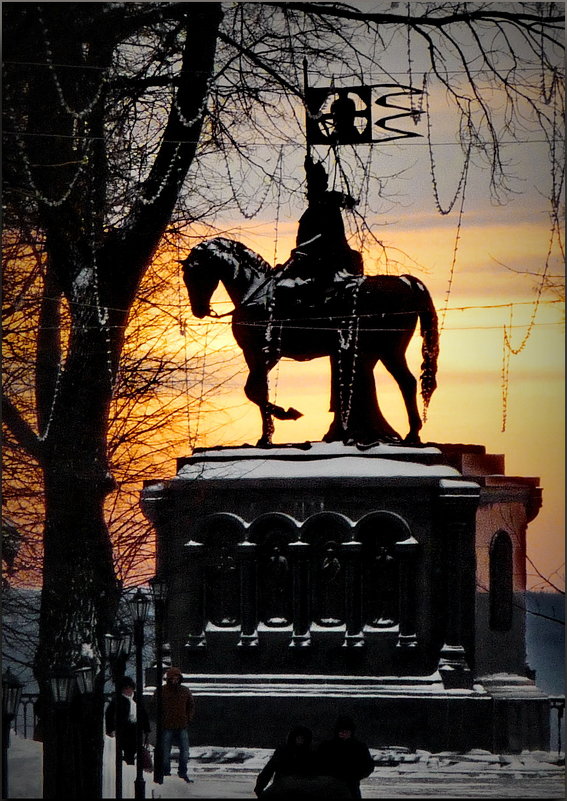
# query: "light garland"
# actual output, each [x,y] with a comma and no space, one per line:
[83,163]
[200,111]
[78,115]
[249,215]
[464,171]
[42,437]
[148,201]
[348,343]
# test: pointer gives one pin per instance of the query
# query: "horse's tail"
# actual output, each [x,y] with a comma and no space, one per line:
[430,345]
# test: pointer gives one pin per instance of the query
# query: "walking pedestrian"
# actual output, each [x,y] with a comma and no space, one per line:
[121,720]
[178,706]
[292,758]
[345,757]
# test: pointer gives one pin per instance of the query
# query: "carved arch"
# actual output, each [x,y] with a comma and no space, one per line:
[325,532]
[379,532]
[221,533]
[272,533]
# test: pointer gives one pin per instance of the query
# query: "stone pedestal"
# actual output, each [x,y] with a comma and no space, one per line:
[306,581]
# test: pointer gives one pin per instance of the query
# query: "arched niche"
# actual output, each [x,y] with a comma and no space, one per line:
[379,532]
[272,533]
[220,534]
[222,528]
[501,589]
[325,532]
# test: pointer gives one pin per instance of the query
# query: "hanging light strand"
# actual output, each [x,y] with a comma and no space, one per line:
[433,167]
[79,115]
[82,164]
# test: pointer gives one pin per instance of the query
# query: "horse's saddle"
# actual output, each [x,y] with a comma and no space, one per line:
[304,284]
[295,296]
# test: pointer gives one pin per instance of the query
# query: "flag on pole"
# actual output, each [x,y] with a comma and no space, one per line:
[351,115]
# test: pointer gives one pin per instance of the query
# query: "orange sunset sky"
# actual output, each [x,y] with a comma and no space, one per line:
[502,266]
[470,404]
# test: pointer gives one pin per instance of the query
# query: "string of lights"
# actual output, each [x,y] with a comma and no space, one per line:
[165,305]
[271,143]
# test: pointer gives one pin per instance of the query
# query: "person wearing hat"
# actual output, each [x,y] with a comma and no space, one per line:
[321,231]
[178,706]
[345,757]
[321,249]
[122,719]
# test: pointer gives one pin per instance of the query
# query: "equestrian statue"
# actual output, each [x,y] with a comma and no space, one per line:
[319,303]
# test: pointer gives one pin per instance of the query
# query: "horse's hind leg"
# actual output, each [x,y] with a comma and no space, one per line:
[399,370]
[256,389]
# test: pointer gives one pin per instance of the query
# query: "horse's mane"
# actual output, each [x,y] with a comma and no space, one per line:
[225,248]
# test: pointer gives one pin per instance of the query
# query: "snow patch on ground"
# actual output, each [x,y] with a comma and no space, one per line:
[399,773]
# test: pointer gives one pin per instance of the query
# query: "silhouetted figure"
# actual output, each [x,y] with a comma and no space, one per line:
[277,578]
[343,110]
[385,582]
[122,719]
[223,598]
[322,249]
[294,758]
[329,587]
[345,757]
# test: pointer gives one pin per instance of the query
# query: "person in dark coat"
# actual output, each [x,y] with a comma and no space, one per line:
[345,757]
[322,253]
[321,242]
[178,710]
[294,758]
[125,722]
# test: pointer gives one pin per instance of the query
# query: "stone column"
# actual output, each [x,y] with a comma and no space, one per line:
[247,554]
[301,591]
[458,503]
[194,591]
[351,552]
[406,552]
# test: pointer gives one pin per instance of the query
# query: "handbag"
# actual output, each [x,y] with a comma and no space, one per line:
[147,761]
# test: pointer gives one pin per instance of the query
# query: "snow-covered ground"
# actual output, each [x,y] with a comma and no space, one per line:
[231,773]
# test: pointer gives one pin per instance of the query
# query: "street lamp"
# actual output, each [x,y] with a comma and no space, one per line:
[11,695]
[159,593]
[117,648]
[139,605]
[62,685]
[85,676]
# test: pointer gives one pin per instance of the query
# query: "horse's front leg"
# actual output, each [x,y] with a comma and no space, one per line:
[256,389]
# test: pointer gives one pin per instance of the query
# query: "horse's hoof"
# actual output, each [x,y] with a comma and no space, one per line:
[293,414]
[412,439]
[264,442]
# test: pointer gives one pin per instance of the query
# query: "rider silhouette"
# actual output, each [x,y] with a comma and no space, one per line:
[343,111]
[321,249]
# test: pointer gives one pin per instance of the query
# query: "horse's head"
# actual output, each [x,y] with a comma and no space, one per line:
[225,260]
[201,277]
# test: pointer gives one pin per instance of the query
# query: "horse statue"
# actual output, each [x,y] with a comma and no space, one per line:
[355,322]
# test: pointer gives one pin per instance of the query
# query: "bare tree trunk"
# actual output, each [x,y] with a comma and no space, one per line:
[99,276]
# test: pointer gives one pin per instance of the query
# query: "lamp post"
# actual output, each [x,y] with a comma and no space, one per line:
[159,593]
[89,775]
[62,684]
[85,676]
[11,695]
[118,645]
[139,605]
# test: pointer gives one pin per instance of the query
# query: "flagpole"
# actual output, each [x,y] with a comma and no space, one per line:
[305,87]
